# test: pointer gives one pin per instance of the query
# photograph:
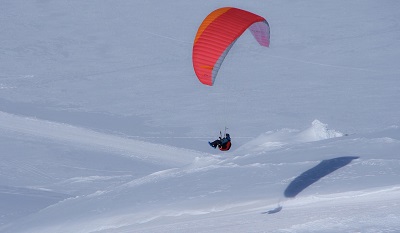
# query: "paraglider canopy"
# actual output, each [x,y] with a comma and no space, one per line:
[216,35]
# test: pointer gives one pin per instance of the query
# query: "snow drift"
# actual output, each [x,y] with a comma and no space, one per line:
[104,125]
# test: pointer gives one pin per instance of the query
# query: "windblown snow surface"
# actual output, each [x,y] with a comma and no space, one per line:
[104,125]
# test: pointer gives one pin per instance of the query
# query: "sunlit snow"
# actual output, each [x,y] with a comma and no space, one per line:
[104,125]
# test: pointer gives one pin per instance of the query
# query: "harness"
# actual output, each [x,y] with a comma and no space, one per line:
[225,146]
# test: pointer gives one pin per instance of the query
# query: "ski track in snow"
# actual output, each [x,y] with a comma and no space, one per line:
[237,214]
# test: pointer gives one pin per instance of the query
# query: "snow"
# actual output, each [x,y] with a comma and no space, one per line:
[104,126]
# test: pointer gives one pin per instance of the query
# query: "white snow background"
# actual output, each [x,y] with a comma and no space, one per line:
[104,125]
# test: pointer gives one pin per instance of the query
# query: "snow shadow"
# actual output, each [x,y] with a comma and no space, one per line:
[17,202]
[312,175]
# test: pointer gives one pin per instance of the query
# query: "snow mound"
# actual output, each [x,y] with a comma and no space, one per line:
[273,140]
[318,131]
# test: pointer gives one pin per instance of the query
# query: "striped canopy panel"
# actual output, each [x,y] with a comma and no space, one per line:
[216,35]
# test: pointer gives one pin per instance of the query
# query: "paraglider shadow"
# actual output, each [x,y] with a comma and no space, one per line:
[273,211]
[312,175]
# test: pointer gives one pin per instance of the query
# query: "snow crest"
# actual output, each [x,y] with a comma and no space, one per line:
[273,140]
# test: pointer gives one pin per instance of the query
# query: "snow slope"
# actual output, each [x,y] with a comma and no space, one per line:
[104,126]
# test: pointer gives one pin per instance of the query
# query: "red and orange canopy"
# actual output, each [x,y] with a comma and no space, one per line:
[216,35]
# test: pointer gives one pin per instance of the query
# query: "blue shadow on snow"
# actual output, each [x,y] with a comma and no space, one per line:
[312,175]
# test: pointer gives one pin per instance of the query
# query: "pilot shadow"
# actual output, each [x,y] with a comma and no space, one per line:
[311,176]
